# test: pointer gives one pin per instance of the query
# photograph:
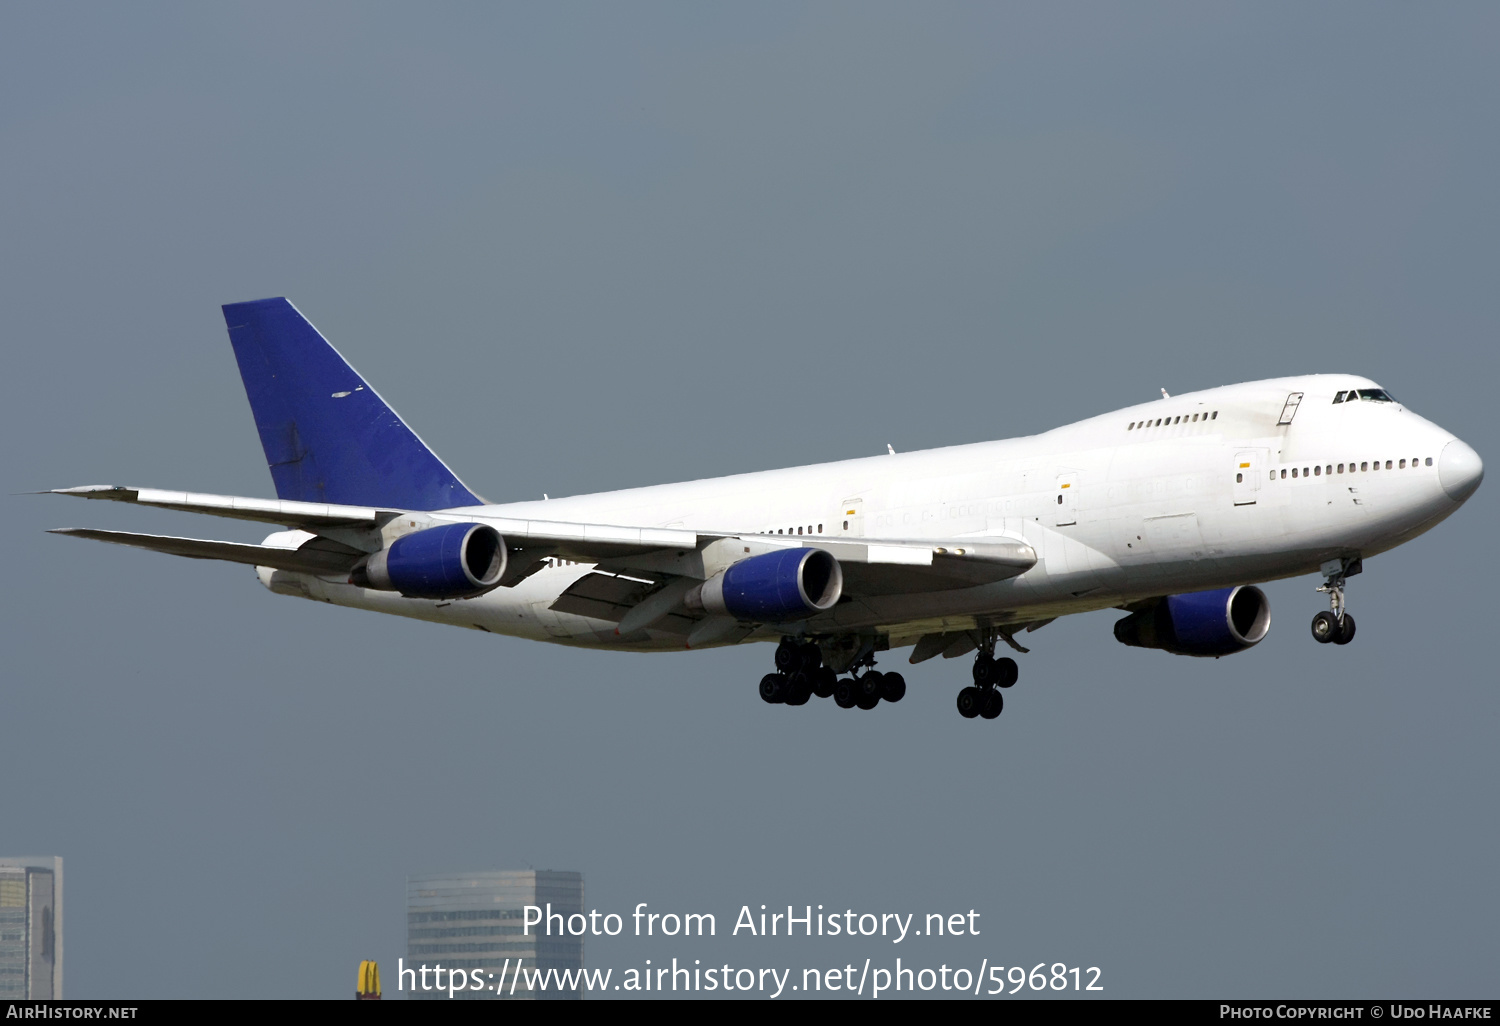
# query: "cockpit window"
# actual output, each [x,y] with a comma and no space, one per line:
[1375,395]
[1340,397]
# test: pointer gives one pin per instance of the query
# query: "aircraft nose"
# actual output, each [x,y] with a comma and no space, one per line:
[1460,470]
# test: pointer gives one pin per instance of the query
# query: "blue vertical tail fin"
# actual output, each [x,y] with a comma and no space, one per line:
[327,435]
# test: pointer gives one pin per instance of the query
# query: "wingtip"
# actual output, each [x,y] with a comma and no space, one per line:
[95,491]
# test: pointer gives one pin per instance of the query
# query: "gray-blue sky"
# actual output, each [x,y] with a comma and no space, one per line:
[588,246]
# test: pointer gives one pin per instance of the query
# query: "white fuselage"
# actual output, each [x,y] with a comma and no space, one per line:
[1203,490]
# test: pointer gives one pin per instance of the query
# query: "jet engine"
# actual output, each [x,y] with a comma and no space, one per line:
[1201,623]
[789,584]
[448,562]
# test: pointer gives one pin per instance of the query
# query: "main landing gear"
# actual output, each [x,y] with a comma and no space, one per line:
[1335,625]
[983,698]
[801,674]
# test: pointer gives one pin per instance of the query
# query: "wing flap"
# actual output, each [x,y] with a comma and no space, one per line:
[611,597]
[318,556]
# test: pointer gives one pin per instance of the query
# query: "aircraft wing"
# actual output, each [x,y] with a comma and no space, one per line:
[582,542]
[872,566]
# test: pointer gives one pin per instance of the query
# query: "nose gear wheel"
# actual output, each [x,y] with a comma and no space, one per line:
[1335,624]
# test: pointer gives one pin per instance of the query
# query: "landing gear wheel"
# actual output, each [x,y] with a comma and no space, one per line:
[788,656]
[823,681]
[994,702]
[1006,672]
[868,688]
[893,687]
[1325,627]
[970,701]
[845,694]
[1347,634]
[984,670]
[773,688]
[812,656]
[799,689]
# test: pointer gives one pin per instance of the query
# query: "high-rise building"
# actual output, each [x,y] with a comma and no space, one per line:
[475,921]
[31,935]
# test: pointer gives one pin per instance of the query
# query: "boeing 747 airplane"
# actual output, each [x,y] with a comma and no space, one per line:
[1169,511]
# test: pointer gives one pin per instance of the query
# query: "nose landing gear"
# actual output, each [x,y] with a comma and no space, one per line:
[1335,624]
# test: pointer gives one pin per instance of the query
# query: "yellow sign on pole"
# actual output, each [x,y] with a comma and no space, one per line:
[368,988]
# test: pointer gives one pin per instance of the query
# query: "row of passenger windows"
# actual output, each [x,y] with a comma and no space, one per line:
[799,530]
[1159,421]
[1353,469]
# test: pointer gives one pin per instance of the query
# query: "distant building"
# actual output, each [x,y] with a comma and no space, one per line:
[31,937]
[470,921]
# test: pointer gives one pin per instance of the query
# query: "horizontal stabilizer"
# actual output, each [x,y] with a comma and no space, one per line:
[318,556]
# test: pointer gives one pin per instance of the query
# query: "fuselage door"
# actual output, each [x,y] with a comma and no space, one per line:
[1290,409]
[1067,499]
[852,517]
[1247,471]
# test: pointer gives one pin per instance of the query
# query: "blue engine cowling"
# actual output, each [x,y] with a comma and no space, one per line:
[452,561]
[1201,623]
[789,584]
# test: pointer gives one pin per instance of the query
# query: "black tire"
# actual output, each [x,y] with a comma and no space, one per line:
[984,670]
[823,681]
[773,688]
[1347,634]
[845,694]
[788,656]
[994,703]
[1325,628]
[812,657]
[799,689]
[893,687]
[1006,672]
[969,702]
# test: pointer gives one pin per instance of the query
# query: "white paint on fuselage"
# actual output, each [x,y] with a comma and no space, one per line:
[1148,511]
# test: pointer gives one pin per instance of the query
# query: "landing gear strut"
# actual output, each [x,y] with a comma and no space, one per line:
[801,674]
[983,698]
[1335,624]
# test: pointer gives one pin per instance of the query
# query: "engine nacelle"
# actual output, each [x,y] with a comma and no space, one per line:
[1201,623]
[789,584]
[448,562]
